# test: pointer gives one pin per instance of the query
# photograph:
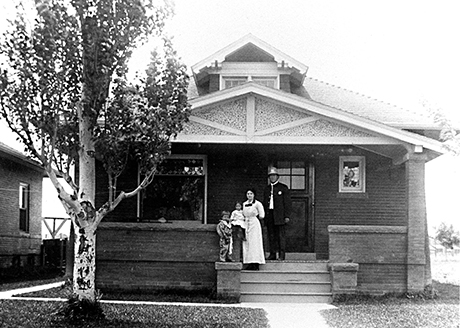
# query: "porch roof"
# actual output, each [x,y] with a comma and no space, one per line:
[323,103]
[355,103]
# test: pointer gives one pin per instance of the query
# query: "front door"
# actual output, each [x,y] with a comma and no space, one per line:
[299,177]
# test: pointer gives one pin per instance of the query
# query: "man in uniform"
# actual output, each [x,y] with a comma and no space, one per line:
[278,205]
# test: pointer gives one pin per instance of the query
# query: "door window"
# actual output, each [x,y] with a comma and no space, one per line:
[293,174]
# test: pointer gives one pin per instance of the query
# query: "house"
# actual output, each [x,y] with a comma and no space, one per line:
[355,167]
[20,209]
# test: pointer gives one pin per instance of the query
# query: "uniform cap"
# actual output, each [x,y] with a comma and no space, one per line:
[273,170]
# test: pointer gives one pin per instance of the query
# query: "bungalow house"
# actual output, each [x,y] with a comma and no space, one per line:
[20,209]
[355,167]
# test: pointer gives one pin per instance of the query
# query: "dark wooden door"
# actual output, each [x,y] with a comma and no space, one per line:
[299,177]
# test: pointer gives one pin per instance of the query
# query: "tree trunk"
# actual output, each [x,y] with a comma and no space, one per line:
[85,264]
[85,228]
[70,253]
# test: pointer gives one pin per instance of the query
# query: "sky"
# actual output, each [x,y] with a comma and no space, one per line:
[403,52]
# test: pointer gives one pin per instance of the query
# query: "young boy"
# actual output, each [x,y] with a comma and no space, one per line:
[224,229]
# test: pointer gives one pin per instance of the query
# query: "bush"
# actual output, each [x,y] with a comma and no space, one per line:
[77,311]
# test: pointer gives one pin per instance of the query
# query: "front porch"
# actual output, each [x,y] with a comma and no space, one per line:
[184,255]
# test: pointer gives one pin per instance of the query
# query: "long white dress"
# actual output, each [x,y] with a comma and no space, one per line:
[253,248]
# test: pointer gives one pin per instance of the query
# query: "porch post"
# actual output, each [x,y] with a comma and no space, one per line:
[416,222]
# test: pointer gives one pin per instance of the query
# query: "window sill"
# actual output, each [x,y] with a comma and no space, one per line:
[352,195]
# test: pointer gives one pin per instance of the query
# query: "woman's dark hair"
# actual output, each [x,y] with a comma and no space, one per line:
[253,191]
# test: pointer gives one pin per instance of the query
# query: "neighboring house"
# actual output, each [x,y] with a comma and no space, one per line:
[20,209]
[355,167]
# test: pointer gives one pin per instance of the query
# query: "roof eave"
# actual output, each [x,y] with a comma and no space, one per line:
[320,109]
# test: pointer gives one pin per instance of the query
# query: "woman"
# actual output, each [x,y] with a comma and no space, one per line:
[253,249]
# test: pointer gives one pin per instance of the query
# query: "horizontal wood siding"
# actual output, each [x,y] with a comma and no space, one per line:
[384,202]
[152,256]
[228,178]
[13,241]
[380,251]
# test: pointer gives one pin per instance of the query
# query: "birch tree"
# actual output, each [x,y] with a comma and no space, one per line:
[63,91]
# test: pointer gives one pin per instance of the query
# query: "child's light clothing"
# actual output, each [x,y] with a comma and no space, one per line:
[237,218]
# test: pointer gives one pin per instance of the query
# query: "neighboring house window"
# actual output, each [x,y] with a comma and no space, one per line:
[24,207]
[177,192]
[230,82]
[292,174]
[352,174]
[266,81]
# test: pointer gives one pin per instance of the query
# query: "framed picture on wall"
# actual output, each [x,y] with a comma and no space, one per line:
[352,174]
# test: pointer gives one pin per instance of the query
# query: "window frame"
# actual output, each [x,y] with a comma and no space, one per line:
[204,175]
[243,79]
[24,207]
[361,164]
[268,78]
[292,174]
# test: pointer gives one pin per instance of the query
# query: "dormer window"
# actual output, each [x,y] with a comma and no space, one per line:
[233,81]
[266,81]
[230,82]
[248,59]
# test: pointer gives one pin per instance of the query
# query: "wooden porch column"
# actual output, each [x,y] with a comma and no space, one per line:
[417,259]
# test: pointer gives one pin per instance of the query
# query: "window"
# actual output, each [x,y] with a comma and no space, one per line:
[24,207]
[352,174]
[292,174]
[230,82]
[177,192]
[266,81]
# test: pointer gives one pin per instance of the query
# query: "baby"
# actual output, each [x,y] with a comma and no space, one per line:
[237,219]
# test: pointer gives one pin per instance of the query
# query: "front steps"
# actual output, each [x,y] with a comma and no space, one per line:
[289,281]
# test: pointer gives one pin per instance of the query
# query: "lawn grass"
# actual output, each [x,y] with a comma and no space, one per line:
[36,314]
[405,311]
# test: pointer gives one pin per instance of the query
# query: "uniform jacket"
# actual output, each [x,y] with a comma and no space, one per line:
[281,201]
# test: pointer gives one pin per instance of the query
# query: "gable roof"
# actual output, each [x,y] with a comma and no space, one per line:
[356,104]
[366,107]
[18,157]
[278,55]
[318,108]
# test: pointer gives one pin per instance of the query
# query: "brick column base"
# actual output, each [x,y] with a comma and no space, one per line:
[344,278]
[229,280]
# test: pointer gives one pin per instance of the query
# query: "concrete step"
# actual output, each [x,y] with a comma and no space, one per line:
[301,256]
[286,298]
[286,276]
[292,265]
[297,256]
[285,287]
[290,281]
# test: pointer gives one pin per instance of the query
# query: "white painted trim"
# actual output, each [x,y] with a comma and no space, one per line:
[362,174]
[285,126]
[337,115]
[216,125]
[249,38]
[199,138]
[296,140]
[250,116]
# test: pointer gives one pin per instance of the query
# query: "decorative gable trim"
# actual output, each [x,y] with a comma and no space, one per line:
[268,122]
[278,55]
[320,110]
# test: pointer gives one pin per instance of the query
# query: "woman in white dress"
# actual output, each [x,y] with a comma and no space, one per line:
[253,249]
